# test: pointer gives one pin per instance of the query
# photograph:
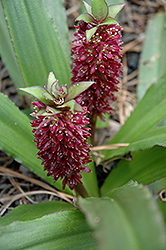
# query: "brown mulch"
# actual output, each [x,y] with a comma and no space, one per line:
[20,186]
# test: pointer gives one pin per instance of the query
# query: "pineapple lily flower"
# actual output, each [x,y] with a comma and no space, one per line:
[59,130]
[96,56]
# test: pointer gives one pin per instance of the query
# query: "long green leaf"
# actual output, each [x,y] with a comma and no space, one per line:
[35,41]
[147,140]
[153,57]
[146,116]
[57,11]
[145,167]
[7,52]
[16,139]
[31,212]
[128,219]
[61,231]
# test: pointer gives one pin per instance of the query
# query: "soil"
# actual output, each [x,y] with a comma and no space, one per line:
[133,19]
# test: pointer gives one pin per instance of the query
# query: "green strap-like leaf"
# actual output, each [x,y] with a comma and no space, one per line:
[90,181]
[58,13]
[145,167]
[58,231]
[128,219]
[7,52]
[36,42]
[146,116]
[153,57]
[147,140]
[16,139]
[31,212]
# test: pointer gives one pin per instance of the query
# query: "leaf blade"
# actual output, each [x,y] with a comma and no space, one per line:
[118,221]
[38,52]
[146,116]
[152,63]
[145,167]
[146,141]
[57,11]
[7,52]
[90,181]
[61,230]
[157,188]
[31,212]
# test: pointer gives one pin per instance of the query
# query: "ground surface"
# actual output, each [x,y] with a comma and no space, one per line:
[133,19]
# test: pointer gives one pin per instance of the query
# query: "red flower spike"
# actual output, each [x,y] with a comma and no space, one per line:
[97,60]
[96,55]
[59,130]
[62,145]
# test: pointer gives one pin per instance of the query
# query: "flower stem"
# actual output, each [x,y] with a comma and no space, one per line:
[93,120]
[80,189]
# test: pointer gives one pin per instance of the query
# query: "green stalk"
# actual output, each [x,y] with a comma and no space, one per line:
[80,189]
[93,119]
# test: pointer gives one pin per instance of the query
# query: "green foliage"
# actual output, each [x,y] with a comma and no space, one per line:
[139,130]
[57,11]
[59,230]
[103,124]
[7,52]
[126,216]
[126,219]
[145,167]
[36,43]
[32,212]
[152,65]
[158,189]
[90,181]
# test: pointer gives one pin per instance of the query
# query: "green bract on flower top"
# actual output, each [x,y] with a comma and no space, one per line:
[59,130]
[97,55]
